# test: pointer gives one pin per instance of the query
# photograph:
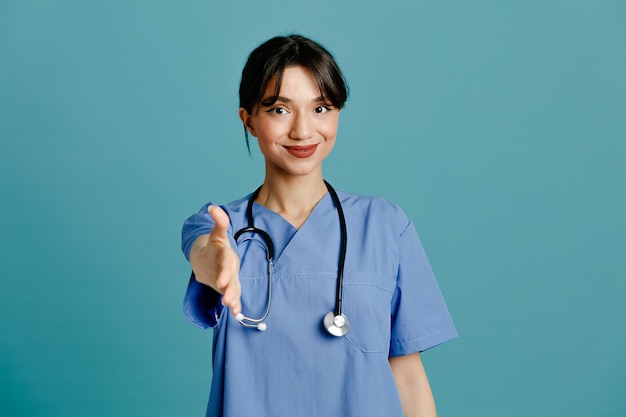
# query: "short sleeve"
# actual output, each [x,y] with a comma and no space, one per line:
[420,316]
[202,305]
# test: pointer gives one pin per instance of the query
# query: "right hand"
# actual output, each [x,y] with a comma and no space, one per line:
[216,263]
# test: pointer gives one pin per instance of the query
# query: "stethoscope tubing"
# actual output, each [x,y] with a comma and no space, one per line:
[331,319]
[342,249]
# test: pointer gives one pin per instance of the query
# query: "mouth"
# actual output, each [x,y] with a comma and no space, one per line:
[301,151]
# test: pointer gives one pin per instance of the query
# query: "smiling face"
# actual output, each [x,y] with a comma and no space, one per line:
[297,129]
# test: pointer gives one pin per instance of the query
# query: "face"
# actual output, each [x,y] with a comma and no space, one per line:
[298,131]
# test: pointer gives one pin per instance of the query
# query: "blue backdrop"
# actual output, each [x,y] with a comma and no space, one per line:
[499,127]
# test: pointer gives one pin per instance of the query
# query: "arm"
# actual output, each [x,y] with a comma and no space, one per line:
[413,387]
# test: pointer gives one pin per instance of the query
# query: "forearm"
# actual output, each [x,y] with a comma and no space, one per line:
[413,386]
[417,399]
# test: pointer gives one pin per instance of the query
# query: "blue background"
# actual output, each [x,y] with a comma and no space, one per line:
[500,128]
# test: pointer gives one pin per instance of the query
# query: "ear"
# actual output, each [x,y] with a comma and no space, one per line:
[246,118]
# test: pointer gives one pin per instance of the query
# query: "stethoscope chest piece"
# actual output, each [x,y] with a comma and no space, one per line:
[337,325]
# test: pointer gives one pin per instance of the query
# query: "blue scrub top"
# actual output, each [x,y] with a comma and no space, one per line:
[295,368]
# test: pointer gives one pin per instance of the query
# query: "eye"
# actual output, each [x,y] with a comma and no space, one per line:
[322,109]
[277,110]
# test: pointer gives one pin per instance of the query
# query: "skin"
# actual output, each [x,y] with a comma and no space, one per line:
[413,386]
[295,135]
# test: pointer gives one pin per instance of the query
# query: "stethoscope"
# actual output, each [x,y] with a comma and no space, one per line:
[335,322]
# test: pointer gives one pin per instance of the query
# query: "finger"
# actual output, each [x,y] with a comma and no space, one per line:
[235,308]
[222,281]
[232,298]
[222,222]
[226,269]
[232,291]
[233,303]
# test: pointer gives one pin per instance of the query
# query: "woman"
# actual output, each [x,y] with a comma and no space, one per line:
[339,283]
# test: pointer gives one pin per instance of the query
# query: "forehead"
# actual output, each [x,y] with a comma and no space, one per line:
[293,79]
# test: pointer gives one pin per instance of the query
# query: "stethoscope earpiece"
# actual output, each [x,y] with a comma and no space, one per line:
[259,326]
[335,322]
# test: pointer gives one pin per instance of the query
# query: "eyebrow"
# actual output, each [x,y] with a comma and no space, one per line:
[268,101]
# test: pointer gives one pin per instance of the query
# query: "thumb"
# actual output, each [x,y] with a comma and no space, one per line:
[221,222]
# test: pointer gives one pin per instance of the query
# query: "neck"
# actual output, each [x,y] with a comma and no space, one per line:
[294,198]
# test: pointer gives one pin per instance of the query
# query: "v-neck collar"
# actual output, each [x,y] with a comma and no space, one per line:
[284,233]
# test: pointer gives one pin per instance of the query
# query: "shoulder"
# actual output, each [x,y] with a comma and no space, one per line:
[365,201]
[234,208]
[238,205]
[374,210]
[201,222]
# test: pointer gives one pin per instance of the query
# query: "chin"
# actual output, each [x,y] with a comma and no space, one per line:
[300,171]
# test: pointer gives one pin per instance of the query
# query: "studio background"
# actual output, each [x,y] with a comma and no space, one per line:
[499,127]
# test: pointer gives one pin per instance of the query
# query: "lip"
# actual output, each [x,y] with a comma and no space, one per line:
[301,151]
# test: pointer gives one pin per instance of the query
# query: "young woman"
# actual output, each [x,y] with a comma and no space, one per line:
[321,301]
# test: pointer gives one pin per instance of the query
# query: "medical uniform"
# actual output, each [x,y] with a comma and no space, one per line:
[295,368]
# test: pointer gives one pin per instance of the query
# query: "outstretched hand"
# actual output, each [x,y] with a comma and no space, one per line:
[216,263]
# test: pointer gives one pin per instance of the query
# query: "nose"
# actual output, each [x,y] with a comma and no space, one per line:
[301,127]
